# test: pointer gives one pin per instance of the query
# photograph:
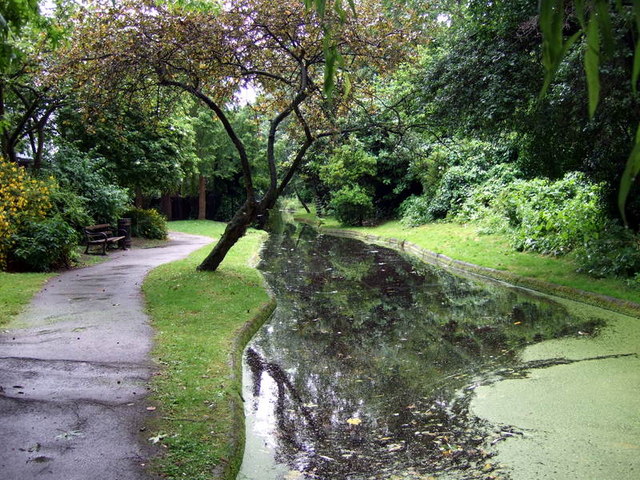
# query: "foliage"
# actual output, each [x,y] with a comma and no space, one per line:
[90,179]
[452,176]
[71,208]
[23,200]
[27,100]
[147,223]
[145,154]
[596,23]
[614,252]
[482,76]
[347,165]
[352,205]
[43,245]
[414,211]
[346,174]
[552,217]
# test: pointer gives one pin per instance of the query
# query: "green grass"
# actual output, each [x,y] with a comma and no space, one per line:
[198,317]
[16,290]
[462,242]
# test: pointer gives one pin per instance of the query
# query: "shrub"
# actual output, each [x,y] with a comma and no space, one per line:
[414,211]
[147,223]
[71,207]
[43,245]
[352,205]
[88,177]
[615,252]
[553,217]
[23,199]
[480,202]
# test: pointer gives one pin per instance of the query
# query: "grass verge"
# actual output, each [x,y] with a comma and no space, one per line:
[203,319]
[463,243]
[16,290]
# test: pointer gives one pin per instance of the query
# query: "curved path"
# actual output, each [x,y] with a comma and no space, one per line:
[73,373]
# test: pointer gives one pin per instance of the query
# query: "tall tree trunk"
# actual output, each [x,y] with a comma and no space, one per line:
[139,201]
[165,205]
[37,154]
[235,230]
[202,198]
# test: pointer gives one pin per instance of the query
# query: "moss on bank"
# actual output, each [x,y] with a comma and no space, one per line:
[203,320]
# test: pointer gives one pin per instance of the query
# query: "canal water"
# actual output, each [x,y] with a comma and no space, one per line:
[371,361]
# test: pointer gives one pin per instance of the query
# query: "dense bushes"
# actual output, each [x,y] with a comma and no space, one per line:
[147,223]
[541,215]
[552,217]
[614,252]
[89,179]
[43,245]
[352,205]
[347,172]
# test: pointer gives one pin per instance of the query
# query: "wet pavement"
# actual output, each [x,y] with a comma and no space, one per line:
[74,369]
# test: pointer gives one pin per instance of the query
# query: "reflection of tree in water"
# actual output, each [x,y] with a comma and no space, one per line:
[363,333]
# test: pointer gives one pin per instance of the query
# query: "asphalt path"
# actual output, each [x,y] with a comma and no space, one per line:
[74,372]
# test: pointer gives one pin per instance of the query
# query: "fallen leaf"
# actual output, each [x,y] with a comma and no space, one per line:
[354,421]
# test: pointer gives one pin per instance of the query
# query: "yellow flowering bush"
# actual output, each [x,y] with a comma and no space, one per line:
[23,199]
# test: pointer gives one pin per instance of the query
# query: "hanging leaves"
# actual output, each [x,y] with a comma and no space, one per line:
[592,64]
[595,22]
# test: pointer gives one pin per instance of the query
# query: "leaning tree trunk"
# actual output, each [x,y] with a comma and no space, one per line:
[235,230]
[202,198]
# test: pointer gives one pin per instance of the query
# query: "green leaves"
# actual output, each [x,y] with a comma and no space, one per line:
[553,46]
[597,30]
[592,64]
[636,57]
[332,56]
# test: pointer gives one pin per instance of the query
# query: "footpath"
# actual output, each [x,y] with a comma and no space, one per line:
[74,370]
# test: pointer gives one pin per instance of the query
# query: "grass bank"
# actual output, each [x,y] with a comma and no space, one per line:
[16,290]
[203,319]
[462,242]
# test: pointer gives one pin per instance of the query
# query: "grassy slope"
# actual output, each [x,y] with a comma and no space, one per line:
[198,317]
[462,242]
[16,289]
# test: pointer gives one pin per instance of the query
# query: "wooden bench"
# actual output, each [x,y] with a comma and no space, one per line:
[102,236]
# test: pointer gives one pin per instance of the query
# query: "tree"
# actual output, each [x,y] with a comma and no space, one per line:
[211,52]
[26,104]
[217,166]
[150,156]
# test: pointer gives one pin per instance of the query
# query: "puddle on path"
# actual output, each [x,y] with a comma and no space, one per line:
[368,367]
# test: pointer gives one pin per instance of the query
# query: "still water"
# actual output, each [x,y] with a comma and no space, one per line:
[368,366]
